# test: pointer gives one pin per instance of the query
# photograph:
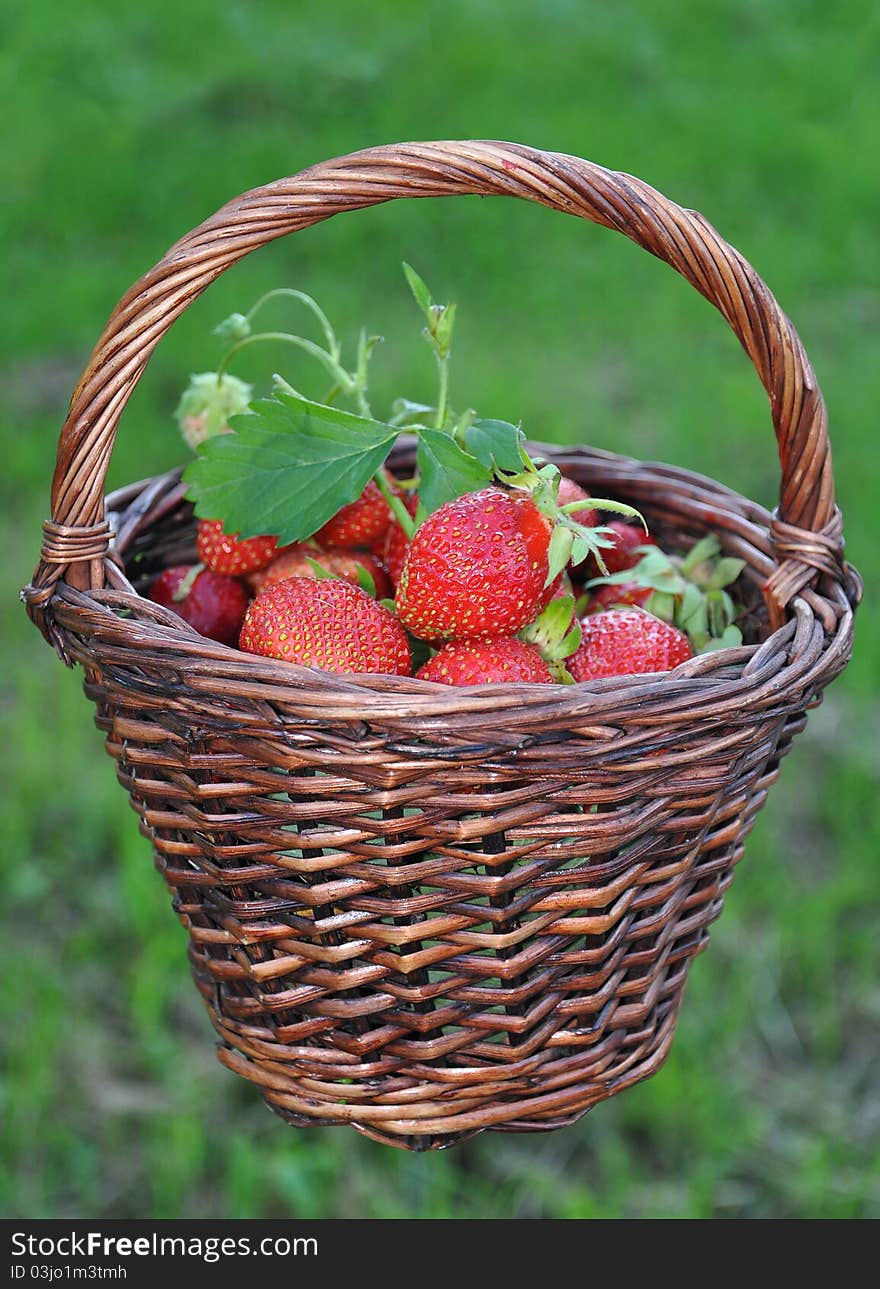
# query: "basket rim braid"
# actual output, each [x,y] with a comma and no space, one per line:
[487,914]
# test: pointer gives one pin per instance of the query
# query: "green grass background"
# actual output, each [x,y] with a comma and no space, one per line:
[124,128]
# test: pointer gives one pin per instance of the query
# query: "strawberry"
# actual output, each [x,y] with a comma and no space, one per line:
[210,602]
[498,660]
[624,553]
[476,567]
[325,623]
[570,491]
[289,561]
[391,548]
[623,593]
[230,554]
[361,522]
[622,642]
[293,561]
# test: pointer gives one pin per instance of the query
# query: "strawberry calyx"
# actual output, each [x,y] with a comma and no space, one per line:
[556,634]
[365,579]
[687,591]
[571,542]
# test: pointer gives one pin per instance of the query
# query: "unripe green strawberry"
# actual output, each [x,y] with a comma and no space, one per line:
[231,554]
[325,623]
[623,642]
[207,403]
[498,660]
[476,567]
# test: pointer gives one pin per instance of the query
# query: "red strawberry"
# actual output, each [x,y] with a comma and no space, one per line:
[623,642]
[321,622]
[290,561]
[230,554]
[212,603]
[605,597]
[570,491]
[500,660]
[394,542]
[361,522]
[624,553]
[476,567]
[293,561]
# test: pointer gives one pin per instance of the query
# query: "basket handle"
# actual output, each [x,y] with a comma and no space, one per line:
[807,534]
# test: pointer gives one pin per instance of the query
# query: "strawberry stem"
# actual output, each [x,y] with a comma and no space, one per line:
[186,585]
[398,509]
[326,359]
[329,333]
[443,393]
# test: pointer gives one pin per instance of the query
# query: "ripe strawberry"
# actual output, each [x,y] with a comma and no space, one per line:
[570,491]
[623,554]
[606,597]
[321,622]
[290,561]
[210,602]
[498,660]
[230,554]
[361,522]
[293,561]
[391,548]
[623,642]
[476,567]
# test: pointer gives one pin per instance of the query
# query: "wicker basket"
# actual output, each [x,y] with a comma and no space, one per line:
[419,911]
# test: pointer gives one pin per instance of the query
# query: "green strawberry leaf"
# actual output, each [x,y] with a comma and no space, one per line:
[725,572]
[289,466]
[421,294]
[662,605]
[705,549]
[497,444]
[445,470]
[730,639]
[404,410]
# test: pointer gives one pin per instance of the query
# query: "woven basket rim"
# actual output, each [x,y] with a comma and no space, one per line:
[740,671]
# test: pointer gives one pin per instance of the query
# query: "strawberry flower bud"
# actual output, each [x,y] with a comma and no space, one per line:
[235,327]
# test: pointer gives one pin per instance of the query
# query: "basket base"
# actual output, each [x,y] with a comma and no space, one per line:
[419,1142]
[564,1091]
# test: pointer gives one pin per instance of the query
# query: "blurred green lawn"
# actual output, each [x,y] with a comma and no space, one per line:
[127,128]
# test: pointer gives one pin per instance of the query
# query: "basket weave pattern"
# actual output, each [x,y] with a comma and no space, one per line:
[419,911]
